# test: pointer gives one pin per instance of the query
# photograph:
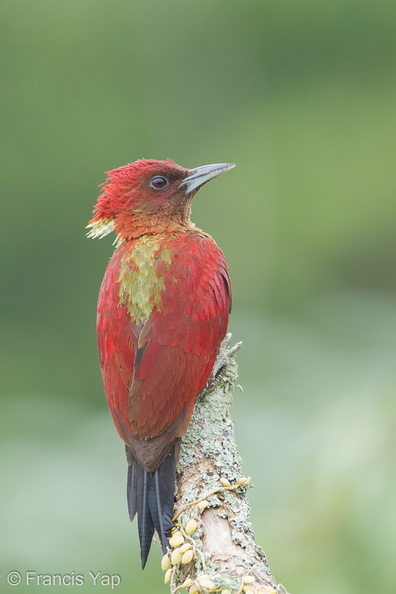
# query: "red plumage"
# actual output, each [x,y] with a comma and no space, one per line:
[180,340]
[162,313]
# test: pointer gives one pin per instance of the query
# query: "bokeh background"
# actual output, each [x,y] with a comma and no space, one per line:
[301,95]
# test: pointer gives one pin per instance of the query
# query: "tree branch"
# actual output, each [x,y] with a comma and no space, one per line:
[213,547]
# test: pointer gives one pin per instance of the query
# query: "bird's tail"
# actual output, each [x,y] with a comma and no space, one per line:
[151,495]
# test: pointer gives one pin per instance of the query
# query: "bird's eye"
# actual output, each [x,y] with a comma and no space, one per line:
[158,182]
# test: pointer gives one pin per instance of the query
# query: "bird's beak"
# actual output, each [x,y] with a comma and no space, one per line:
[200,175]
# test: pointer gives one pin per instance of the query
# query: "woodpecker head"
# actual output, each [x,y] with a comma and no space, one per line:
[147,197]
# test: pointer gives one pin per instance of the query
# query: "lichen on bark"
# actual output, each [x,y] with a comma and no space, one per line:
[211,490]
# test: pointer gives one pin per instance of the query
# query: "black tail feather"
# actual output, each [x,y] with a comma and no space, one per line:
[151,496]
[131,492]
[145,520]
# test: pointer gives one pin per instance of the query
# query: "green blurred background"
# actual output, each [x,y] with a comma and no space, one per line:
[301,95]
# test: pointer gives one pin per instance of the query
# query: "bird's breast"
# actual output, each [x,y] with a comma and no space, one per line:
[143,268]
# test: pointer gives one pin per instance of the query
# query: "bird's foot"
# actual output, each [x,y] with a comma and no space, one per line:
[223,360]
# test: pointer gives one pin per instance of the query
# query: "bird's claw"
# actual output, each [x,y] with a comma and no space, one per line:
[223,360]
[225,353]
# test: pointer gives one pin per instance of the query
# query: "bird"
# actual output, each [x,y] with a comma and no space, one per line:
[162,313]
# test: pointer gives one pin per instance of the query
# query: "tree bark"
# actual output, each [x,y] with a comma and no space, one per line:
[213,547]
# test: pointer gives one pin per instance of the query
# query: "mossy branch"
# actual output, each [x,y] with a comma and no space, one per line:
[213,548]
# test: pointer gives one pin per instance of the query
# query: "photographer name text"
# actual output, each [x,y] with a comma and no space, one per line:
[93,578]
